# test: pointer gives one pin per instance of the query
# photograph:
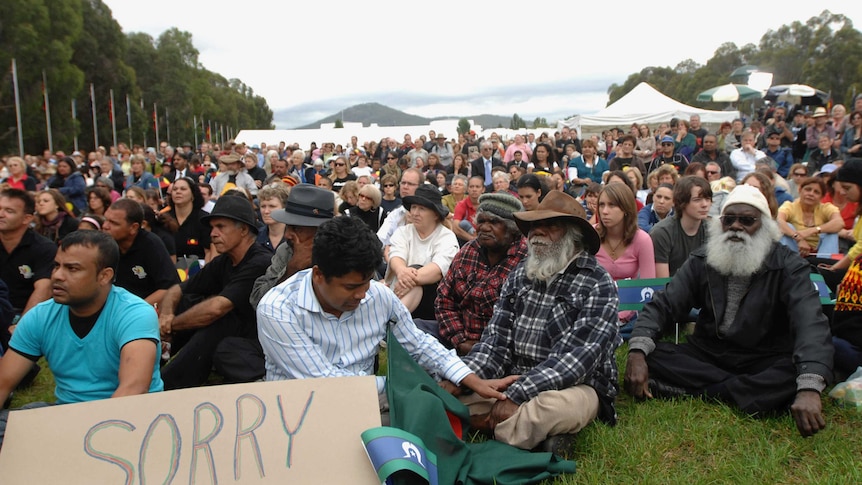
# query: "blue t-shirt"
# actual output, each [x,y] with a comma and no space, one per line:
[87,369]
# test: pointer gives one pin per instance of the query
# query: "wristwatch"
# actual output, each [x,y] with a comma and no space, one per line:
[818,230]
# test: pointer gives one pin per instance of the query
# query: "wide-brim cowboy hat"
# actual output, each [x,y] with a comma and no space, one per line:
[559,205]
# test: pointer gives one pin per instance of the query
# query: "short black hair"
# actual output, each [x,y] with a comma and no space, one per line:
[109,252]
[134,211]
[343,245]
[24,196]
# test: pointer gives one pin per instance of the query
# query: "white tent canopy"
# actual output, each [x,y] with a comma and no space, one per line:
[644,104]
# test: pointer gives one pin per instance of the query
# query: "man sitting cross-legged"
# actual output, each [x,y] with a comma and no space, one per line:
[761,341]
[554,330]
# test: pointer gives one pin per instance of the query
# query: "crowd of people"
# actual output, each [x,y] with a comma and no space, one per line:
[495,260]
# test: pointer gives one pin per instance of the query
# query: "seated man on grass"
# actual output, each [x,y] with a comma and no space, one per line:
[329,321]
[554,331]
[761,341]
[99,340]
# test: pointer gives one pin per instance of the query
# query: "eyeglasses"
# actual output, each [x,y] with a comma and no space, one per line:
[800,174]
[339,164]
[363,196]
[391,158]
[746,221]
[388,185]
[666,144]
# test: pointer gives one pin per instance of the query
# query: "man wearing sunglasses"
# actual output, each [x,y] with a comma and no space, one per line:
[761,342]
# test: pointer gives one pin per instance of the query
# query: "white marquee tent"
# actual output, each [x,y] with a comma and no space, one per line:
[644,104]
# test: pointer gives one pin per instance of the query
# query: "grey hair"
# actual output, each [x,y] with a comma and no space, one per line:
[462,178]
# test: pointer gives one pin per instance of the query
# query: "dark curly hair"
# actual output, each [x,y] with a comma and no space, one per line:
[346,244]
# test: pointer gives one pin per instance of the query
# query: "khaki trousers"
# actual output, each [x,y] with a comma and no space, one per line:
[550,413]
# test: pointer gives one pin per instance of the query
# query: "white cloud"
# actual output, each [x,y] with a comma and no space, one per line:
[476,57]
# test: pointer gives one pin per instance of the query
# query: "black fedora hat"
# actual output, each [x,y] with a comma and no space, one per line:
[236,208]
[307,205]
[427,196]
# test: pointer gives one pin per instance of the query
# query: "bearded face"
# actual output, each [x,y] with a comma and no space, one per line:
[739,250]
[550,249]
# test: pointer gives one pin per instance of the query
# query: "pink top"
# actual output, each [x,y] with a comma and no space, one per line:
[637,262]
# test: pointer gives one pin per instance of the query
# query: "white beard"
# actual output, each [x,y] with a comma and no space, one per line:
[545,259]
[740,258]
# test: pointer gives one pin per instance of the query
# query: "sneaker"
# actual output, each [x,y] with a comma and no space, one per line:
[663,390]
[561,445]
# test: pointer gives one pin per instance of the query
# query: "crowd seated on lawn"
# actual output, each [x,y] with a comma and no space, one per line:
[442,209]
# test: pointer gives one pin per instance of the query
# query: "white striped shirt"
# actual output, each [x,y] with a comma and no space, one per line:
[300,340]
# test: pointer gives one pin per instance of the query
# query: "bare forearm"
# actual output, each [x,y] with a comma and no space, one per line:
[202,314]
[170,300]
[41,292]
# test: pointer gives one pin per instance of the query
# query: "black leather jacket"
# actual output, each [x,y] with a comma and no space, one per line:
[780,313]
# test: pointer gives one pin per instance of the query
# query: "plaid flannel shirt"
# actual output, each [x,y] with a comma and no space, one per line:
[468,292]
[554,336]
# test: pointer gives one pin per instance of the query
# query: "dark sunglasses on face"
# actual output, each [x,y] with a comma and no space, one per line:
[746,221]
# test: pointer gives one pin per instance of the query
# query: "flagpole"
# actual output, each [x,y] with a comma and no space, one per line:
[47,112]
[129,119]
[113,120]
[196,130]
[209,130]
[95,124]
[168,126]
[75,122]
[17,108]
[156,126]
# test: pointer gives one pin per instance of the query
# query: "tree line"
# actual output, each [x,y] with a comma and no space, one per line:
[822,52]
[78,43]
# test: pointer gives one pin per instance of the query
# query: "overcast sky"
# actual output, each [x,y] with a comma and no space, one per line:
[458,58]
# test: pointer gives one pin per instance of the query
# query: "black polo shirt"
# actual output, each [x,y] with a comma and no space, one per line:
[221,277]
[146,266]
[193,237]
[30,261]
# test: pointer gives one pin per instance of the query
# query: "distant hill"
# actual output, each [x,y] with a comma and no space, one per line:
[368,113]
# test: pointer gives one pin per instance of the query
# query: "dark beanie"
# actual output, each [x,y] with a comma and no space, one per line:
[851,172]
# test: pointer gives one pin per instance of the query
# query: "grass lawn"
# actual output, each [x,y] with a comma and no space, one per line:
[687,441]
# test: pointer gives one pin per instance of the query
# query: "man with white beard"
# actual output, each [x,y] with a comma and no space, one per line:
[554,327]
[761,341]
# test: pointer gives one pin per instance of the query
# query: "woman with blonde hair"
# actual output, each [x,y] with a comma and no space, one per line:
[626,251]
[54,219]
[271,198]
[368,208]
[645,147]
[349,196]
[341,174]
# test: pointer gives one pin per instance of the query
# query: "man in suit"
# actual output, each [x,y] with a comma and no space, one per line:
[482,166]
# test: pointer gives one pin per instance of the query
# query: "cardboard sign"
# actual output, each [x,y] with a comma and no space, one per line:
[300,431]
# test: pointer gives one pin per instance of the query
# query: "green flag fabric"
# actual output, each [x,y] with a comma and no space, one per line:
[419,406]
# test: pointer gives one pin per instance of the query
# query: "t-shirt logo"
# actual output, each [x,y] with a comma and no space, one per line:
[25,271]
[139,272]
